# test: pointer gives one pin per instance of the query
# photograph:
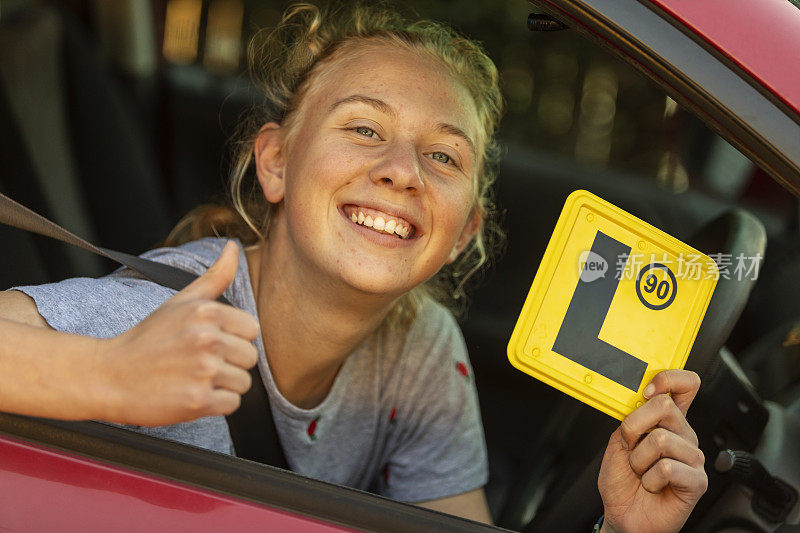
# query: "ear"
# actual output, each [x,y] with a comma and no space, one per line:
[270,164]
[471,228]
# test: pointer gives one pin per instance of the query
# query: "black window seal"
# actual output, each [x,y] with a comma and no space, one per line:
[231,476]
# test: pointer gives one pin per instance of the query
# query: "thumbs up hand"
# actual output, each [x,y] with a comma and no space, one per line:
[188,359]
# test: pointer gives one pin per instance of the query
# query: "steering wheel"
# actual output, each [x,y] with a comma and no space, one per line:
[736,233]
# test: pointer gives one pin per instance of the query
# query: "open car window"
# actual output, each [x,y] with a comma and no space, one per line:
[623,103]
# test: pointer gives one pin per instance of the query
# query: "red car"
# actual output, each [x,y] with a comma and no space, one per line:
[731,63]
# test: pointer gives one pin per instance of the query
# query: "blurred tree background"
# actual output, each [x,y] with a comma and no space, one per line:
[568,101]
[564,95]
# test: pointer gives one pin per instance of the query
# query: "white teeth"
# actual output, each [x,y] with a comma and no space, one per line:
[380,224]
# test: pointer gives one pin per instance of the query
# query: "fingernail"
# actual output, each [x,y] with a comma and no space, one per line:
[649,390]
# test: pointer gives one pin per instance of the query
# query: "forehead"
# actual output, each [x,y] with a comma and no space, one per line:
[414,84]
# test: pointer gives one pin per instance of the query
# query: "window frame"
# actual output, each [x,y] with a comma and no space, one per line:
[227,475]
[695,74]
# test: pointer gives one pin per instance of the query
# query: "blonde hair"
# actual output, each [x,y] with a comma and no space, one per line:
[284,63]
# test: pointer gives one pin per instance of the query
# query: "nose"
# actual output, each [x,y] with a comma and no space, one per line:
[399,168]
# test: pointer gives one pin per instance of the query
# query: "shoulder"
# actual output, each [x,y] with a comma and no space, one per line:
[433,315]
[435,332]
[195,256]
[109,305]
[430,350]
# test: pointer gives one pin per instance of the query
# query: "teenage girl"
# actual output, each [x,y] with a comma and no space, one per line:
[359,202]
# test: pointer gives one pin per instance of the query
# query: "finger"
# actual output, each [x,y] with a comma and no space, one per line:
[214,347]
[662,443]
[660,411]
[226,317]
[232,378]
[682,385]
[685,479]
[236,351]
[224,402]
[216,279]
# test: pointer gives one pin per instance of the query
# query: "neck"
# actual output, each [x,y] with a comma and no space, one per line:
[309,326]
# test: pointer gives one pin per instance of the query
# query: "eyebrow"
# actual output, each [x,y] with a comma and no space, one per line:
[458,132]
[385,108]
[380,105]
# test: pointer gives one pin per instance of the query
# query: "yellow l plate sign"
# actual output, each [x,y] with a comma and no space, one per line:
[614,302]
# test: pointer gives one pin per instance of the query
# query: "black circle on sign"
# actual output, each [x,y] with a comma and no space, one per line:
[671,278]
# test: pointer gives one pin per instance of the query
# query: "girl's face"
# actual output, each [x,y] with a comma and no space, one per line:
[384,138]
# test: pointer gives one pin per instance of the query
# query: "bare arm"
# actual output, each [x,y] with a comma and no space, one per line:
[44,372]
[470,505]
[19,307]
[188,359]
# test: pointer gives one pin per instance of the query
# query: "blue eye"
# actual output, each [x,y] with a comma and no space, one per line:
[366,132]
[441,157]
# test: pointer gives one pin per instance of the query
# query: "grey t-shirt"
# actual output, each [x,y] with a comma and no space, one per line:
[401,418]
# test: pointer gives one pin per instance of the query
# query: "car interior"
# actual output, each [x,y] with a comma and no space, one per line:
[113,127]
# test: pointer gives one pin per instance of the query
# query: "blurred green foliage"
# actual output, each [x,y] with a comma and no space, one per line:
[564,95]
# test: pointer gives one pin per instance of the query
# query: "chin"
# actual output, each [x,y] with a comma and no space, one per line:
[387,288]
[386,284]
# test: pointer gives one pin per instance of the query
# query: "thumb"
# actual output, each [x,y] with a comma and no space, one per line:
[216,279]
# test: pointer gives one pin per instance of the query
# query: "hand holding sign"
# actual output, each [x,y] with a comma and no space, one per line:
[602,331]
[652,473]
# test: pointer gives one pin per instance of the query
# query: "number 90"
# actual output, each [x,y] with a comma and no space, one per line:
[661,289]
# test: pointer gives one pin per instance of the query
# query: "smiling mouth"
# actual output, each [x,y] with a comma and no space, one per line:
[379,221]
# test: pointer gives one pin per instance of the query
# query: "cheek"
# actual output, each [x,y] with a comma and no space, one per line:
[313,170]
[454,209]
[313,178]
[342,158]
[328,164]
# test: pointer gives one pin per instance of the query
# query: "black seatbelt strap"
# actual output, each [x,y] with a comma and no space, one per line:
[252,427]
